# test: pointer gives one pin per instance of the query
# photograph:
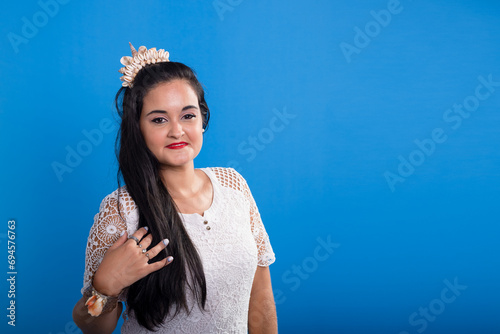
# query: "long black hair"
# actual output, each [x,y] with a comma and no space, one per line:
[162,293]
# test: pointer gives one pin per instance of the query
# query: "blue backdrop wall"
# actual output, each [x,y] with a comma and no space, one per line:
[368,132]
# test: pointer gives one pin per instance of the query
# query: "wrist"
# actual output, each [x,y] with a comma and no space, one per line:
[98,303]
[105,286]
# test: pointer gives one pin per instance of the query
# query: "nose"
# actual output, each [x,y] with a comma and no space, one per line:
[176,130]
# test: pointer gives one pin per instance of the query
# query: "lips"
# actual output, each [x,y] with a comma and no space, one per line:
[177,145]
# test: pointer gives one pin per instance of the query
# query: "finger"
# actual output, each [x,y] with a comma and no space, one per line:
[140,233]
[120,241]
[146,241]
[157,249]
[160,264]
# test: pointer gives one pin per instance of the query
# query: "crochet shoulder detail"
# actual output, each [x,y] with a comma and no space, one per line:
[229,177]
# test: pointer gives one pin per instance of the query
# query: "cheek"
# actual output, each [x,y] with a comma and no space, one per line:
[150,137]
[196,135]
[154,140]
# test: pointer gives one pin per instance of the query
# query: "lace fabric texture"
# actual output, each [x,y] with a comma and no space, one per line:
[230,238]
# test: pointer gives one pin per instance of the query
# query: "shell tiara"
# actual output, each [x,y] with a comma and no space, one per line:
[138,60]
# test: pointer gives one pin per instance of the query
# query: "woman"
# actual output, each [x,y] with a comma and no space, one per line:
[184,247]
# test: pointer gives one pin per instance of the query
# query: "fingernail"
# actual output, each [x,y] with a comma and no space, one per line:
[146,228]
[122,233]
[170,259]
[165,242]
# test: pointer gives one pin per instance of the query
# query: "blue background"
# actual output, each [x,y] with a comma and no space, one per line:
[319,176]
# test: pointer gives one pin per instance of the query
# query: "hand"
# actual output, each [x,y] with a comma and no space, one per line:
[124,263]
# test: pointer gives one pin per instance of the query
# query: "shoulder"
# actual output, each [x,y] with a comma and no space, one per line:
[117,212]
[119,200]
[229,178]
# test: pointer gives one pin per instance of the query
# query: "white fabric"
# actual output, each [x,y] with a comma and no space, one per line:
[230,251]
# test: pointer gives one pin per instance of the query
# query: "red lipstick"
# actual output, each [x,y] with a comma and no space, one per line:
[176,146]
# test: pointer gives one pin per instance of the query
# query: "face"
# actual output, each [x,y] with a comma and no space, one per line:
[171,123]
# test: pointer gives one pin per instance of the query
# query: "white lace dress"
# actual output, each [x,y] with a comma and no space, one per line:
[230,239]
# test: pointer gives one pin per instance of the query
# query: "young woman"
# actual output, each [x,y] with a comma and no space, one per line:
[185,248]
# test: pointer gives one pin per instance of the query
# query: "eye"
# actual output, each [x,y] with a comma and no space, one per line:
[158,120]
[189,116]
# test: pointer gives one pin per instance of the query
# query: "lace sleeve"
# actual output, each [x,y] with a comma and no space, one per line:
[231,178]
[107,227]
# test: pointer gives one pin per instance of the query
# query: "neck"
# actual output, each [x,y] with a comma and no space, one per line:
[181,181]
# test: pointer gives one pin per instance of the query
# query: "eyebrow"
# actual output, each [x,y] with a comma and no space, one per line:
[165,112]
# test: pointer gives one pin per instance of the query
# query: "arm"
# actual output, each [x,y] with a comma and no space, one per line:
[99,242]
[122,265]
[112,264]
[262,317]
[104,324]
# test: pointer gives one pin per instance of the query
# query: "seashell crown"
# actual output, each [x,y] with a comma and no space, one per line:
[138,60]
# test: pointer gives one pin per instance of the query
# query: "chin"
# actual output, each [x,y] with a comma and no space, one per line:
[175,163]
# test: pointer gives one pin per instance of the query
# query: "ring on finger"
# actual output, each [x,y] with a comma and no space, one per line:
[134,238]
[144,251]
[147,255]
[140,246]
